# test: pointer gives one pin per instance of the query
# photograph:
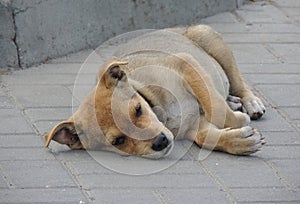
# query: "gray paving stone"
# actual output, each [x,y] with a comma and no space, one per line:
[282,138]
[51,79]
[269,68]
[130,196]
[261,38]
[266,195]
[52,68]
[289,54]
[273,78]
[43,195]
[280,152]
[256,28]
[93,167]
[6,102]
[292,112]
[243,172]
[40,79]
[288,3]
[297,123]
[252,54]
[37,114]
[148,181]
[289,169]
[36,174]
[87,167]
[13,122]
[291,11]
[20,141]
[282,95]
[271,121]
[2,182]
[20,154]
[42,96]
[73,155]
[267,14]
[194,196]
[45,126]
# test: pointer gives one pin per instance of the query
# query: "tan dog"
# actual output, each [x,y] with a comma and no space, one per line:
[165,84]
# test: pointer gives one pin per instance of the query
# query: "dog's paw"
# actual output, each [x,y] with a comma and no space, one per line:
[235,103]
[254,107]
[244,141]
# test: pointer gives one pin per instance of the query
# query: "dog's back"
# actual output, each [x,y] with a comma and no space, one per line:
[154,47]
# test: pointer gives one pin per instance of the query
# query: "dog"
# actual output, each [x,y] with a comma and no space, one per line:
[177,83]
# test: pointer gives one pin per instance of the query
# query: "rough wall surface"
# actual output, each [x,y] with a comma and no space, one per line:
[33,31]
[8,49]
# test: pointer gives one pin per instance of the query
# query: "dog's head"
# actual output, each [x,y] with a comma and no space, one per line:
[115,117]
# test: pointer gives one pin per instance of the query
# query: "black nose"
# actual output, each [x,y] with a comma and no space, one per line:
[160,142]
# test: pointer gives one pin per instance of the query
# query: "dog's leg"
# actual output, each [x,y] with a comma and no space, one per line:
[241,141]
[199,83]
[208,39]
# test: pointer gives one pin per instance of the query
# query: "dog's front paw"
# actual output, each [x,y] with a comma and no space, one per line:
[254,107]
[244,141]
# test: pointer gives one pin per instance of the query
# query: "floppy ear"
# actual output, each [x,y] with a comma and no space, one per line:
[64,133]
[113,74]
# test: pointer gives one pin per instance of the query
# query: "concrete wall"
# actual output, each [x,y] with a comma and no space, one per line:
[32,31]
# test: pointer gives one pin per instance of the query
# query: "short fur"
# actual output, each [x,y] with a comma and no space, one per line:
[165,84]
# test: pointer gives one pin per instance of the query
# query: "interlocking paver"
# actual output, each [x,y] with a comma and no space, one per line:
[35,174]
[282,94]
[126,196]
[194,196]
[273,78]
[287,169]
[13,122]
[265,38]
[43,195]
[29,96]
[242,172]
[252,53]
[282,138]
[48,114]
[266,195]
[20,141]
[289,53]
[12,154]
[267,123]
[154,181]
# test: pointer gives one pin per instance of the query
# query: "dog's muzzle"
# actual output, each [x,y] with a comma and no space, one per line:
[160,142]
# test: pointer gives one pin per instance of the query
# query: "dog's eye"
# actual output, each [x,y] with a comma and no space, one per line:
[119,141]
[138,110]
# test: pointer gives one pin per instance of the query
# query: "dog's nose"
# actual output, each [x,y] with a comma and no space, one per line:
[160,142]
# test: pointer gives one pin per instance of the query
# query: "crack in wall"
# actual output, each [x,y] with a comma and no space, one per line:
[14,39]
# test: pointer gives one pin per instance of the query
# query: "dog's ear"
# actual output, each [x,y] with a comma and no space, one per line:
[113,73]
[64,133]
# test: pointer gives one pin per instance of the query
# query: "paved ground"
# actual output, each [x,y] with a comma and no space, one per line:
[265,37]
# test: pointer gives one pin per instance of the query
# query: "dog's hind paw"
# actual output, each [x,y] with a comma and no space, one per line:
[254,107]
[235,103]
